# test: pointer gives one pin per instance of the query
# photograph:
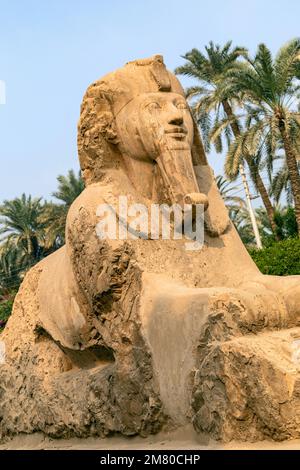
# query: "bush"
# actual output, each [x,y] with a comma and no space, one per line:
[281,258]
[5,310]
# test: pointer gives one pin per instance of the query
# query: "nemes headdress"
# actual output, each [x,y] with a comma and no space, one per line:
[105,98]
[139,76]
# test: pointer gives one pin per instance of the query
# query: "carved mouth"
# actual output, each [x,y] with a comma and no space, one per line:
[176,132]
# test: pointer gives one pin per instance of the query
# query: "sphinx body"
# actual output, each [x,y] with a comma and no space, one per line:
[134,335]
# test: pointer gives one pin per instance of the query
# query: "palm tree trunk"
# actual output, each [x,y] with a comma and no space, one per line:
[254,174]
[250,208]
[291,162]
[265,198]
[29,247]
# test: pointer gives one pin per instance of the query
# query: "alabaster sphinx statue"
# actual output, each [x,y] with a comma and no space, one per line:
[138,335]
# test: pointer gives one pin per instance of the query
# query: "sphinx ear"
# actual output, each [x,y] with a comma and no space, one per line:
[107,127]
[96,115]
[106,123]
[97,137]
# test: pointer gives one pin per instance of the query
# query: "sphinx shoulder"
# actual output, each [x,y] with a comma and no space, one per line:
[86,203]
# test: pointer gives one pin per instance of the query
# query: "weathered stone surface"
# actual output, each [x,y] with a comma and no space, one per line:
[132,335]
[248,388]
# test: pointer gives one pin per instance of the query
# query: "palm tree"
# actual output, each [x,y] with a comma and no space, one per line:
[55,215]
[269,87]
[280,183]
[285,222]
[31,229]
[12,263]
[23,241]
[69,188]
[227,191]
[21,225]
[211,95]
[241,220]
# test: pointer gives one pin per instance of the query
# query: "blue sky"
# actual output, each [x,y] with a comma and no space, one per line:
[51,51]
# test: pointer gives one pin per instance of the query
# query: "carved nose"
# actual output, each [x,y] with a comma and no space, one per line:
[176,121]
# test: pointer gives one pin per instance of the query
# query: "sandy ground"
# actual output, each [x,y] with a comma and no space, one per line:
[180,439]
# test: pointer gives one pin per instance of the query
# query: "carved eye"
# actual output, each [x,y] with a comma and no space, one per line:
[181,105]
[153,106]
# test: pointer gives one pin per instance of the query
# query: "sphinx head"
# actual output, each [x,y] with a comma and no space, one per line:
[140,112]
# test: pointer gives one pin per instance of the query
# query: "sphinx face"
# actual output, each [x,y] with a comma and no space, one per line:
[153,122]
[158,127]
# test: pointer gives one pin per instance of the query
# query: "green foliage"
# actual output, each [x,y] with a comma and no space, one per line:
[269,90]
[69,188]
[286,223]
[217,103]
[285,220]
[6,304]
[281,258]
[20,224]
[5,309]
[206,99]
[31,229]
[234,203]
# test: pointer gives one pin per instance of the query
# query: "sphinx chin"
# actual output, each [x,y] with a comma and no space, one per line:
[138,335]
